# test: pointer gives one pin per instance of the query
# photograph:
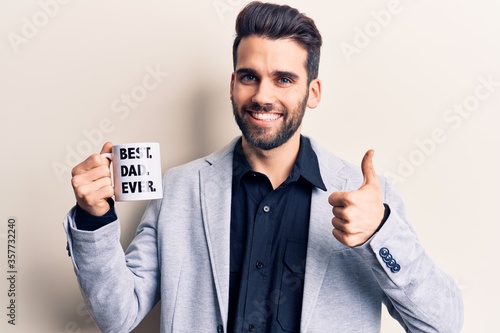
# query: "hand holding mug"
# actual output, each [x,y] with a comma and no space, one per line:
[137,175]
[92,184]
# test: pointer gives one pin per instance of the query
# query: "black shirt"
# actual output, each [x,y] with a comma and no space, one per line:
[269,231]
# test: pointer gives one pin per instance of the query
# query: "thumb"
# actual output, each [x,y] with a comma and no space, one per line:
[106,148]
[369,175]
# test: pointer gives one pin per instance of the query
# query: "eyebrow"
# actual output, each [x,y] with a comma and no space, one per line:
[246,71]
[285,74]
[250,71]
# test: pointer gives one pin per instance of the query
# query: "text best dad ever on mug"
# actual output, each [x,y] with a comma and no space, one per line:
[137,171]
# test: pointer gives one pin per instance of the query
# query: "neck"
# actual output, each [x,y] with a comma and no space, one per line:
[276,163]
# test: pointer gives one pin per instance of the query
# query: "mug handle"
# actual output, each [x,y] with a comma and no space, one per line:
[109,156]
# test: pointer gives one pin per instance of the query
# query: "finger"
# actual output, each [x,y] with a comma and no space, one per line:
[99,172]
[93,197]
[340,212]
[340,235]
[106,148]
[369,174]
[338,223]
[92,162]
[338,199]
[92,189]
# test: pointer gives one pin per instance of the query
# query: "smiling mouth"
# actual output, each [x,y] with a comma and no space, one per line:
[265,116]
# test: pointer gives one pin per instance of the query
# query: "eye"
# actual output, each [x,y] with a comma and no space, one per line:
[284,81]
[248,78]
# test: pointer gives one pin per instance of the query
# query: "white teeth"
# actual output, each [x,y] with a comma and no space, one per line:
[266,116]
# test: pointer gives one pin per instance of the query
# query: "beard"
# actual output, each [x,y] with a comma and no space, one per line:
[267,138]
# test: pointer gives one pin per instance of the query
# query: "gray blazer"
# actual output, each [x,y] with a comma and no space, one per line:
[180,255]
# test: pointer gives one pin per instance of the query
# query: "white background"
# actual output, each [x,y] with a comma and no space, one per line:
[63,78]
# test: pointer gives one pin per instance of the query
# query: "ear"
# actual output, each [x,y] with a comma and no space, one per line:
[314,94]
[231,86]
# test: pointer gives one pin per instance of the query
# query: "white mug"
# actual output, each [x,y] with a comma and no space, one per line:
[137,171]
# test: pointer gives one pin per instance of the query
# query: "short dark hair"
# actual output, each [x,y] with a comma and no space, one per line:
[280,21]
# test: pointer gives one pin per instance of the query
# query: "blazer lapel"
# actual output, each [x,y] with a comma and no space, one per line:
[215,197]
[321,243]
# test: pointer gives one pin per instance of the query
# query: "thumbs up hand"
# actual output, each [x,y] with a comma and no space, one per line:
[358,214]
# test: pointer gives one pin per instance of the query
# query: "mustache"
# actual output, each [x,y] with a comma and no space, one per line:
[256,107]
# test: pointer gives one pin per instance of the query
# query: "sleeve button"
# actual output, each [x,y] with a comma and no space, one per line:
[384,252]
[396,268]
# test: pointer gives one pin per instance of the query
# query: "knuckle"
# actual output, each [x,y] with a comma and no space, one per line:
[89,200]
[332,198]
[96,160]
[74,182]
[347,214]
[82,195]
[104,171]
[109,192]
[350,198]
[74,171]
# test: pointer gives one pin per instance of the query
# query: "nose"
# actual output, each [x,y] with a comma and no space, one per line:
[265,93]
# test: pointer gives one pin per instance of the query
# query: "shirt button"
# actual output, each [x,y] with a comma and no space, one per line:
[251,328]
[259,264]
[266,209]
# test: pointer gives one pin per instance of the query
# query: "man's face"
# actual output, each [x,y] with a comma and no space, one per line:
[269,90]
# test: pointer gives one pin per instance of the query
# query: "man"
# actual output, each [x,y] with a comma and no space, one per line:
[242,240]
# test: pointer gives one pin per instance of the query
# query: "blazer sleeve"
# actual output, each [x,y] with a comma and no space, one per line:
[119,288]
[418,293]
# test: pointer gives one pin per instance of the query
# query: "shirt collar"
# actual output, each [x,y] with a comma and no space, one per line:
[306,165]
[240,165]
